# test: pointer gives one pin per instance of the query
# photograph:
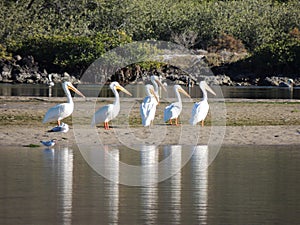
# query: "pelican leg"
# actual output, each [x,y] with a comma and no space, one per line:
[106,126]
[58,123]
[176,122]
[170,121]
[202,123]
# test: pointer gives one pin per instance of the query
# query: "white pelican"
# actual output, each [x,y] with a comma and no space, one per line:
[155,81]
[173,110]
[200,109]
[51,83]
[148,106]
[61,111]
[109,112]
[49,143]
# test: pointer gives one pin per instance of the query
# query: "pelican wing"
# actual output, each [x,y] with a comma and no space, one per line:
[104,114]
[147,110]
[172,111]
[199,112]
[58,112]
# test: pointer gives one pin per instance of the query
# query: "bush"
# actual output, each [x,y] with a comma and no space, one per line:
[228,43]
[4,54]
[282,57]
[68,53]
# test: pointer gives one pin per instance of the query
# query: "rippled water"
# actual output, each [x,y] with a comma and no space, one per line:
[243,185]
[252,92]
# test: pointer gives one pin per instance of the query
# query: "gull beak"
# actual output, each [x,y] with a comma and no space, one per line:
[119,87]
[184,92]
[208,88]
[71,87]
[160,84]
[153,93]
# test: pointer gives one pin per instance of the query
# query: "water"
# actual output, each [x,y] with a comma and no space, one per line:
[251,92]
[243,185]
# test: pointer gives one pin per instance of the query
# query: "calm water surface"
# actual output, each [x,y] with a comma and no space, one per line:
[243,185]
[252,92]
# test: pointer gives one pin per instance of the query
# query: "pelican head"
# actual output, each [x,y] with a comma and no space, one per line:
[204,86]
[69,85]
[154,79]
[116,86]
[181,90]
[151,92]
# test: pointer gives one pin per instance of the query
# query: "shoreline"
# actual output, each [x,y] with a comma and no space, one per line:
[248,122]
[22,136]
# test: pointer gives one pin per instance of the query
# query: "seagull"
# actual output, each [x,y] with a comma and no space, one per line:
[63,128]
[51,83]
[200,109]
[50,143]
[288,84]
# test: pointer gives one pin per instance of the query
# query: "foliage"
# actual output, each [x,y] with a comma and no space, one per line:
[68,35]
[228,43]
[66,52]
[280,57]
[3,53]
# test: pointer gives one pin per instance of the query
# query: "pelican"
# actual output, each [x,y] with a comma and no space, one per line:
[148,106]
[61,111]
[200,109]
[109,112]
[173,110]
[50,143]
[51,83]
[155,81]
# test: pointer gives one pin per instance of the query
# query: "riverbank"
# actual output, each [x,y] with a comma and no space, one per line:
[248,122]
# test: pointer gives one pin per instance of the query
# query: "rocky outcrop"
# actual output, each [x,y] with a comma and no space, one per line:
[26,70]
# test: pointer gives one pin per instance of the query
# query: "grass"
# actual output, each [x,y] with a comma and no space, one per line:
[238,114]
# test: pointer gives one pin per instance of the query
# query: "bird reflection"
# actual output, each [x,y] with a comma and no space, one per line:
[174,152]
[199,163]
[149,179]
[112,157]
[61,162]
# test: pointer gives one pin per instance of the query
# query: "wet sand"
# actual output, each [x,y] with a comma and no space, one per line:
[245,122]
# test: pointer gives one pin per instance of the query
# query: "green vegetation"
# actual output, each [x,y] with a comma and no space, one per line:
[68,35]
[32,146]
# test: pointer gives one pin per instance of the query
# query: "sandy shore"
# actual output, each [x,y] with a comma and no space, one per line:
[244,122]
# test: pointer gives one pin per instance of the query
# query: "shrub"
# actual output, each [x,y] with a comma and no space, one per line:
[3,53]
[227,42]
[282,57]
[73,54]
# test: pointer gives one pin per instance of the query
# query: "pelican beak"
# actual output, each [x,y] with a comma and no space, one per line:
[153,93]
[119,87]
[208,88]
[184,92]
[160,84]
[71,87]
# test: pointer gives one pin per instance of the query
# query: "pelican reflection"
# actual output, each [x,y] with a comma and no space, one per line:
[61,161]
[111,186]
[175,153]
[199,162]
[149,178]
